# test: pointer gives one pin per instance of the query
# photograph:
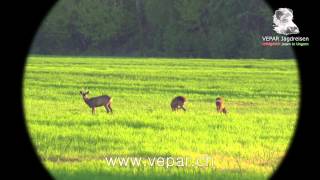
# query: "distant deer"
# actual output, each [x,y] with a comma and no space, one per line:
[97,101]
[177,103]
[220,105]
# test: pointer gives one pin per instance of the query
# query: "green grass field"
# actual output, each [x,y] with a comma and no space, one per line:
[262,97]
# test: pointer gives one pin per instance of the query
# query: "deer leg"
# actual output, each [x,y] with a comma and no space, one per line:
[109,106]
[183,108]
[93,110]
[224,111]
[219,109]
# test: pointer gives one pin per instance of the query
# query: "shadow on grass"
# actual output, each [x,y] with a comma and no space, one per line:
[137,124]
[63,175]
[91,123]
[152,89]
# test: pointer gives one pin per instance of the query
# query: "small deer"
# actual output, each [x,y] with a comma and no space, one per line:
[220,105]
[178,102]
[97,101]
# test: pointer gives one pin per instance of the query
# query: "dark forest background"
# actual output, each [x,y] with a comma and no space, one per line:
[158,28]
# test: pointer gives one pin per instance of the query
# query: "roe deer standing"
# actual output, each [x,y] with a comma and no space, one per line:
[97,101]
[177,103]
[220,105]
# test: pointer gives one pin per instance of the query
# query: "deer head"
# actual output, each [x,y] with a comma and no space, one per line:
[84,92]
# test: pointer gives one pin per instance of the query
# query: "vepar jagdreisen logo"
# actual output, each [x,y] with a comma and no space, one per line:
[283,24]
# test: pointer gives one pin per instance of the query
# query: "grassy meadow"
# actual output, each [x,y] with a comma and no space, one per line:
[262,97]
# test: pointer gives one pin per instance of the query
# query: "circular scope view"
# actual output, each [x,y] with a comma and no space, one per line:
[162,89]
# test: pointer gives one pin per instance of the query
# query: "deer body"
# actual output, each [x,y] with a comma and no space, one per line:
[97,101]
[220,105]
[178,103]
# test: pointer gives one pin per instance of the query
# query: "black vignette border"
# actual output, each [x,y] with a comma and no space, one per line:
[21,22]
[300,153]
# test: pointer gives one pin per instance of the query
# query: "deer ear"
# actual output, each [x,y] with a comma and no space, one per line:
[80,92]
[87,92]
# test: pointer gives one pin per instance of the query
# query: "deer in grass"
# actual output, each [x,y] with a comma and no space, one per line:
[220,105]
[178,102]
[97,101]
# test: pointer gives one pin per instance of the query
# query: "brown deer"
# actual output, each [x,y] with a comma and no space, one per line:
[178,102]
[97,101]
[220,105]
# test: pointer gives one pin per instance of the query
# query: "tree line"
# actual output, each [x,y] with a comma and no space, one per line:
[158,28]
